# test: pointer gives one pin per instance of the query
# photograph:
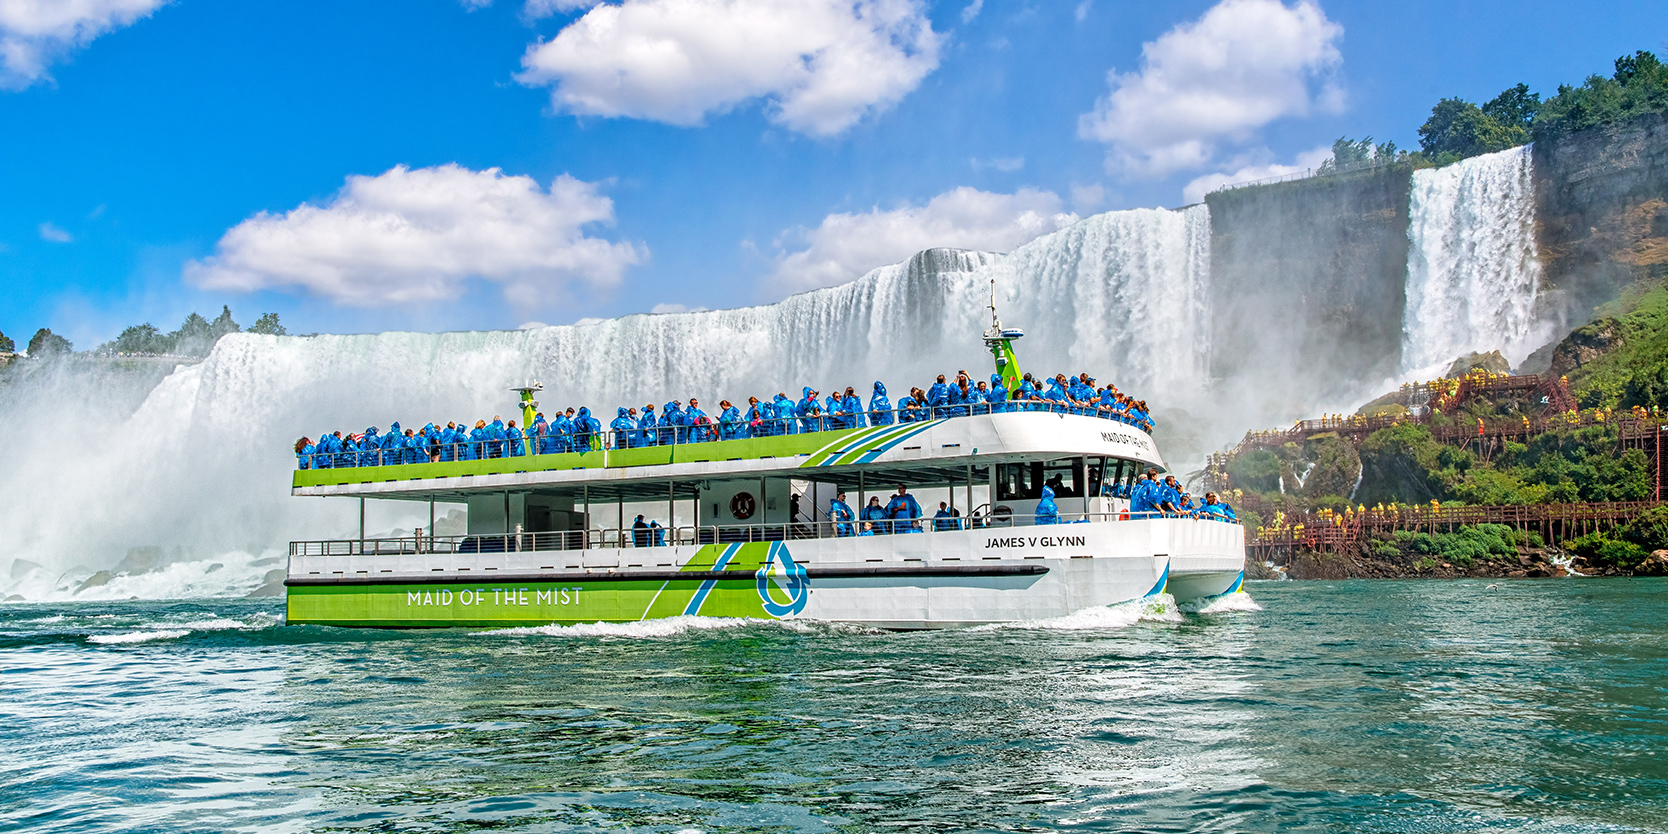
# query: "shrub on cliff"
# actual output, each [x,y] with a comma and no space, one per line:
[1638,86]
[1258,471]
[1649,531]
[1602,551]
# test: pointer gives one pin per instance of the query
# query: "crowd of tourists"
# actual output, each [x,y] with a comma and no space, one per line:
[578,430]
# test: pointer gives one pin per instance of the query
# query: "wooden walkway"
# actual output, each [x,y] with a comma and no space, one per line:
[1344,533]
[1485,438]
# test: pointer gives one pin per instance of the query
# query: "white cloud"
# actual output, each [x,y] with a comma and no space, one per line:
[1309,160]
[845,246]
[34,33]
[1081,13]
[50,232]
[410,236]
[1242,65]
[539,9]
[972,10]
[820,64]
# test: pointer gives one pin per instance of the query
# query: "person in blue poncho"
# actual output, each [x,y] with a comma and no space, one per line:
[853,405]
[1217,509]
[1169,495]
[700,425]
[369,445]
[938,398]
[541,435]
[944,519]
[668,432]
[997,396]
[784,407]
[495,437]
[646,424]
[903,509]
[1143,497]
[756,420]
[585,430]
[623,428]
[1047,511]
[730,426]
[657,533]
[835,410]
[840,513]
[517,444]
[880,408]
[349,458]
[808,412]
[304,453]
[874,518]
[561,427]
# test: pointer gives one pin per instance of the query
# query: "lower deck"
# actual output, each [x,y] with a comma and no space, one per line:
[934,578]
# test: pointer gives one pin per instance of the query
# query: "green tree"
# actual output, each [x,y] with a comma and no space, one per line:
[1638,86]
[1514,107]
[46,344]
[268,324]
[142,339]
[6,344]
[194,338]
[1458,129]
[223,323]
[1348,154]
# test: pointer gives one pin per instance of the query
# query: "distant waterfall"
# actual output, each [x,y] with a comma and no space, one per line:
[199,463]
[1472,272]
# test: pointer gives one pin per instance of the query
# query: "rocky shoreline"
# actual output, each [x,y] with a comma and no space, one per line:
[1529,564]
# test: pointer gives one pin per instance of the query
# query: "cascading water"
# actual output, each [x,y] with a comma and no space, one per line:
[1472,272]
[200,468]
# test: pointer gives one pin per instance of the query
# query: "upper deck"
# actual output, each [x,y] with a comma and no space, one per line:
[941,444]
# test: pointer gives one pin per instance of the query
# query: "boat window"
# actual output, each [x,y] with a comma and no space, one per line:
[1096,470]
[1018,481]
[1065,476]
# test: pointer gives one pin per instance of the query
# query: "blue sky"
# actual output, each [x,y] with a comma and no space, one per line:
[782,146]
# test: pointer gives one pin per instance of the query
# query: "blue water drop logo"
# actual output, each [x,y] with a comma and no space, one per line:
[780,577]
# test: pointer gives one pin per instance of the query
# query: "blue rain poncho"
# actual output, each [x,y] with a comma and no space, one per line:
[840,513]
[730,426]
[1047,511]
[875,514]
[853,408]
[808,412]
[880,408]
[700,425]
[624,427]
[903,510]
[945,520]
[784,414]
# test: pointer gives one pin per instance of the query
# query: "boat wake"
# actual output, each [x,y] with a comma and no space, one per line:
[1225,604]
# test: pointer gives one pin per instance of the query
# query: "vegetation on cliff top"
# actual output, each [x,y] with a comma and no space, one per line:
[1458,129]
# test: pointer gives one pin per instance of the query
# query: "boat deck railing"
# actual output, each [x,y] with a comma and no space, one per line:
[552,443]
[691,535]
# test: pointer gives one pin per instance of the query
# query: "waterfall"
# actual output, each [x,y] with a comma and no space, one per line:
[1472,272]
[197,466]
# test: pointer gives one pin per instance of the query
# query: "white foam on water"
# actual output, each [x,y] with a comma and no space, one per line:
[1224,604]
[1160,608]
[1473,272]
[137,637]
[644,629]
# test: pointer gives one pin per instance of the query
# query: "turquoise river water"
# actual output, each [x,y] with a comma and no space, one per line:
[1422,706]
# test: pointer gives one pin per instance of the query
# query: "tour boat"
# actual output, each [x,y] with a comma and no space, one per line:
[746,530]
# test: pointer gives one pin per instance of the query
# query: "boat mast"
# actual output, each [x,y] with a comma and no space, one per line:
[1000,341]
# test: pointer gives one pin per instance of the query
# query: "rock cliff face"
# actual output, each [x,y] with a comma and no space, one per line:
[1308,280]
[1602,202]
